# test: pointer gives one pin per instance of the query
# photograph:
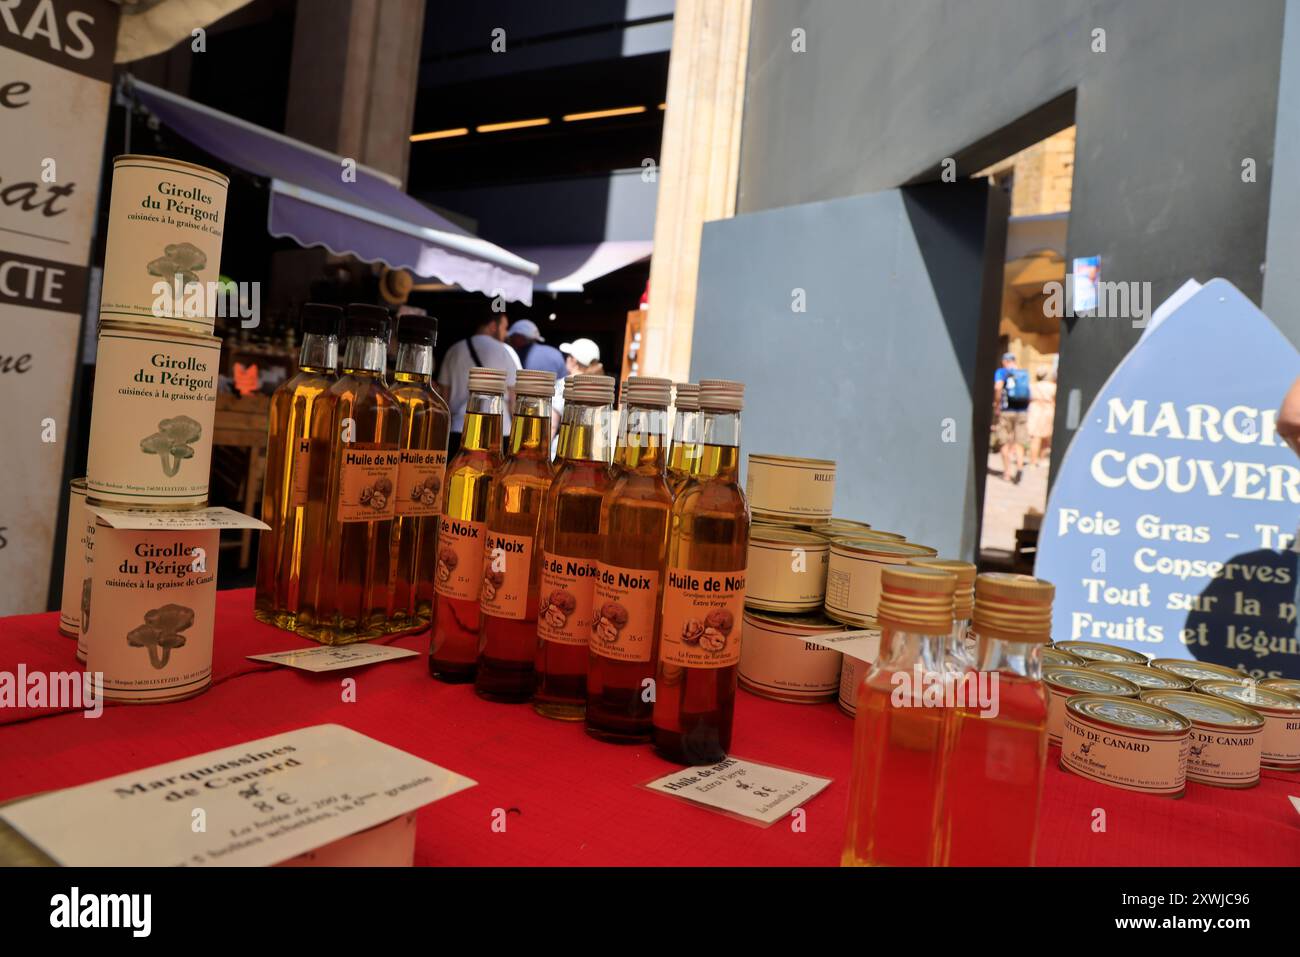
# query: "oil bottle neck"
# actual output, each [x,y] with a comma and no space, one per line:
[642,444]
[365,354]
[530,427]
[482,429]
[414,362]
[718,439]
[319,353]
[585,433]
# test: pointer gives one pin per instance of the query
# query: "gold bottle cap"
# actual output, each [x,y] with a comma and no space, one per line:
[916,599]
[647,390]
[587,389]
[491,381]
[535,383]
[687,397]
[1013,607]
[722,395]
[963,599]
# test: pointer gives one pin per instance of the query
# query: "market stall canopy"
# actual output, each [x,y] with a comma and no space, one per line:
[369,217]
[568,268]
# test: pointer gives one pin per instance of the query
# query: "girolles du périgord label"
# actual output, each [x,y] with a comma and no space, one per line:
[566,596]
[507,567]
[419,482]
[702,615]
[623,620]
[458,572]
[367,482]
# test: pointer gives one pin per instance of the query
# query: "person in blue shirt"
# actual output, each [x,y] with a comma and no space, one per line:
[1011,406]
[526,339]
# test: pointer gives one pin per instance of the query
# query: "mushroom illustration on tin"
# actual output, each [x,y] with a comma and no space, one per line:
[717,629]
[492,582]
[161,632]
[179,259]
[172,443]
[612,619]
[559,605]
[447,562]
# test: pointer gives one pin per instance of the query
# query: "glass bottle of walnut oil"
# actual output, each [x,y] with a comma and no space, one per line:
[288,458]
[897,732]
[426,421]
[995,742]
[635,513]
[570,547]
[356,430]
[685,450]
[960,654]
[704,594]
[508,597]
[462,530]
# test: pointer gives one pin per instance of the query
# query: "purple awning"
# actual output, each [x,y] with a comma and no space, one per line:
[368,217]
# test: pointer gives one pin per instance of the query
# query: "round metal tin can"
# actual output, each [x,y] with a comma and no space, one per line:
[1065,681]
[1098,651]
[1195,671]
[1289,686]
[151,422]
[1280,741]
[1153,679]
[76,586]
[1226,737]
[165,224]
[853,671]
[832,531]
[153,599]
[1126,743]
[853,576]
[787,570]
[790,489]
[776,662]
[1051,657]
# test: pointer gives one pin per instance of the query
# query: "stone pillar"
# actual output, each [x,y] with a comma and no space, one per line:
[354,77]
[698,165]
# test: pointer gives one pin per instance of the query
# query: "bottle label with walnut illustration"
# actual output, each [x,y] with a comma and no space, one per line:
[419,483]
[623,618]
[564,607]
[367,482]
[507,567]
[458,572]
[702,613]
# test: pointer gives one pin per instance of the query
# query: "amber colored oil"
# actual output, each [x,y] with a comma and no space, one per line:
[347,564]
[897,758]
[685,451]
[279,551]
[426,423]
[694,707]
[508,646]
[571,530]
[453,647]
[993,778]
[635,513]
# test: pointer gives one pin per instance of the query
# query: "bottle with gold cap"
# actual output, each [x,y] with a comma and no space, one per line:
[898,729]
[462,530]
[508,595]
[685,450]
[570,547]
[635,513]
[960,653]
[704,594]
[995,743]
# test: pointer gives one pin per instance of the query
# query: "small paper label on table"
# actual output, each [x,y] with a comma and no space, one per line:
[864,644]
[758,792]
[250,805]
[334,657]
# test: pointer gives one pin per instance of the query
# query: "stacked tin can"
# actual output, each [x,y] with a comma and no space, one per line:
[141,552]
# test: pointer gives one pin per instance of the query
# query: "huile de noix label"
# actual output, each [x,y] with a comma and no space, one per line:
[458,572]
[419,482]
[567,593]
[702,615]
[507,565]
[623,616]
[367,482]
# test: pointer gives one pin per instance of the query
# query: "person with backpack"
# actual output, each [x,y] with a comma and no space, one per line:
[1011,405]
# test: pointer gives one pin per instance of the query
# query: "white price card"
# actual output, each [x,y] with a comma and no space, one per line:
[250,805]
[757,792]
[864,645]
[334,657]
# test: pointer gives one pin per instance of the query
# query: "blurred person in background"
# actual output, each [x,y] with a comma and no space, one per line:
[1042,412]
[526,339]
[582,356]
[1011,406]
[485,348]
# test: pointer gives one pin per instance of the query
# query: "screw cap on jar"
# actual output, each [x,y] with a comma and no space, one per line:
[1013,607]
[963,599]
[492,381]
[321,319]
[587,389]
[687,396]
[722,395]
[648,390]
[916,599]
[535,383]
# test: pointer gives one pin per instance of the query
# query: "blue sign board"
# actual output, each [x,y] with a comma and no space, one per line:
[1172,524]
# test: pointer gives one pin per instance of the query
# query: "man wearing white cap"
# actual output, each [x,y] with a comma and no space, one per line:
[484,348]
[581,355]
[534,353]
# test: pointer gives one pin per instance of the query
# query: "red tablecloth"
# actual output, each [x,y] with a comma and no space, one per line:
[578,800]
